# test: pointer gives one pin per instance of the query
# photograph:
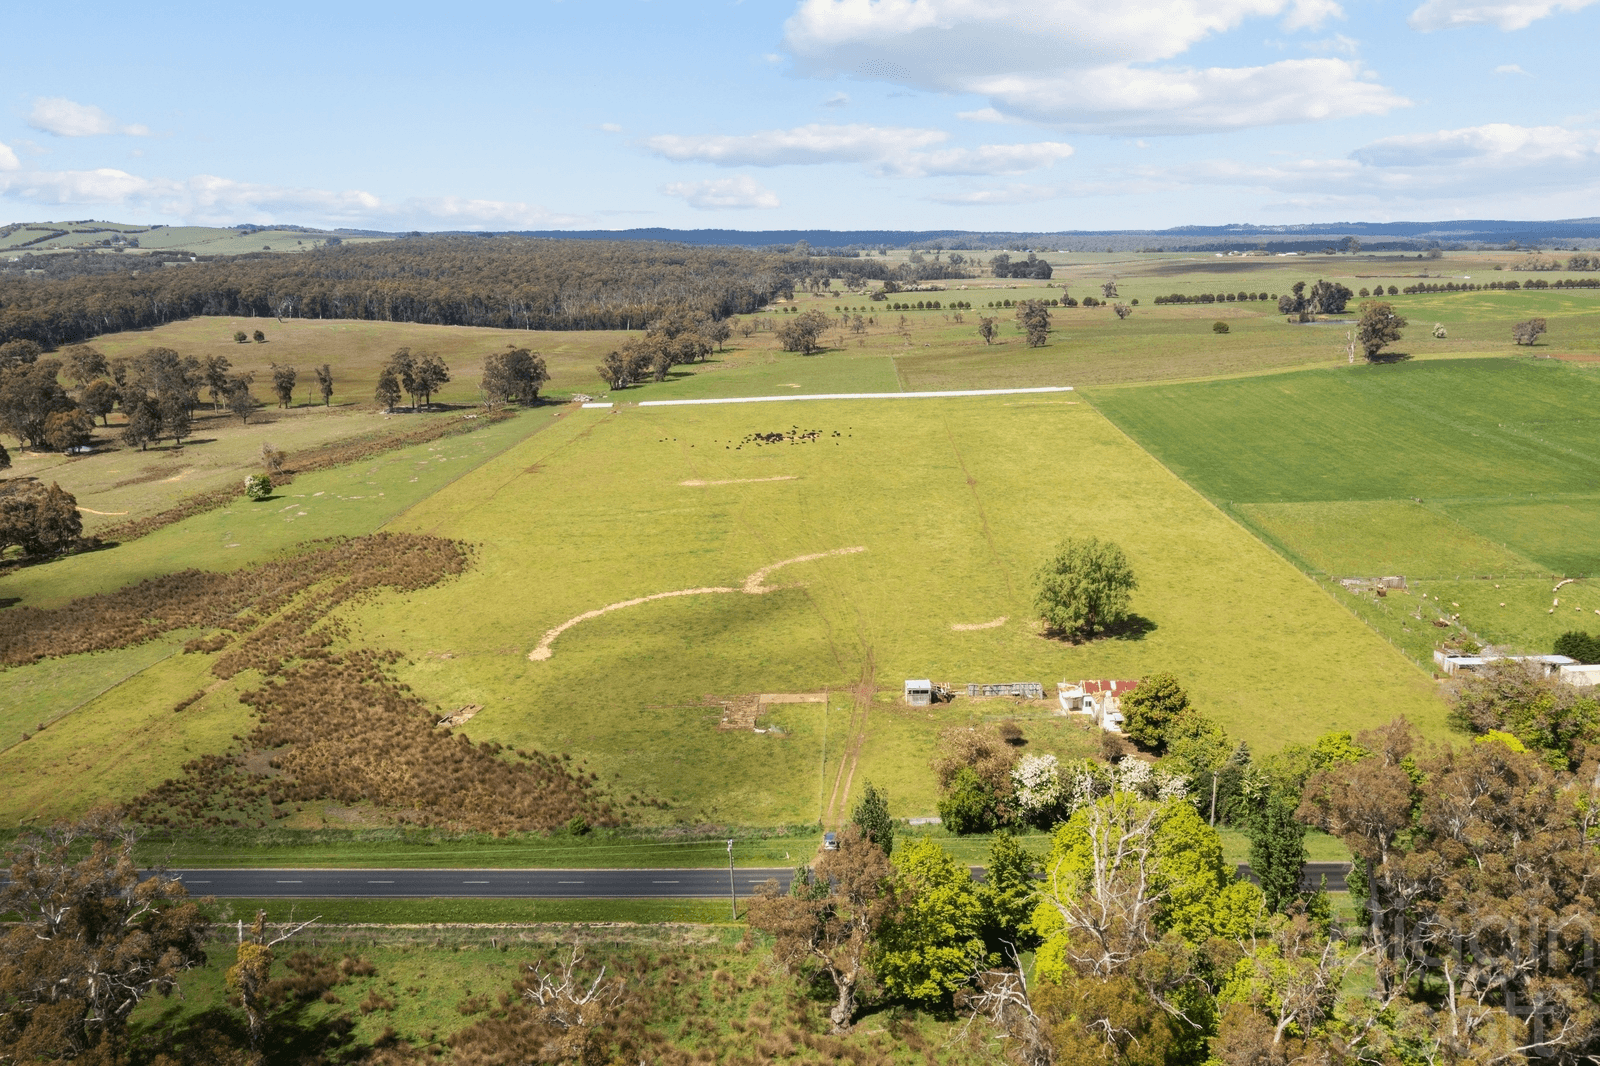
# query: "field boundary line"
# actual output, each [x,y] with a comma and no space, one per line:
[80,706]
[848,396]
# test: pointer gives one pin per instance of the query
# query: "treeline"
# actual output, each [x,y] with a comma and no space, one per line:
[1508,286]
[502,282]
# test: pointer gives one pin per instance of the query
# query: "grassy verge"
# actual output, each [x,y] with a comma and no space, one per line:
[422,848]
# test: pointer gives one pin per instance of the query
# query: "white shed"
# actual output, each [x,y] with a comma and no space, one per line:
[919,693]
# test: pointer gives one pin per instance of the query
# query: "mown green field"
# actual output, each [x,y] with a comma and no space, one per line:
[1478,480]
[954,502]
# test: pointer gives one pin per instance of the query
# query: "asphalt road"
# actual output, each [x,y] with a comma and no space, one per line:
[530,884]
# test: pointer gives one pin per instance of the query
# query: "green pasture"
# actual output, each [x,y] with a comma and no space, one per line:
[1375,537]
[1478,480]
[42,693]
[341,501]
[120,743]
[954,502]
[1485,429]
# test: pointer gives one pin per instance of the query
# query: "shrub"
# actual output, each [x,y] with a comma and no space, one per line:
[1219,327]
[969,805]
[1578,645]
[239,337]
[1526,333]
[258,487]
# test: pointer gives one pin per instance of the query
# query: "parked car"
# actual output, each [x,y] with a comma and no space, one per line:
[830,841]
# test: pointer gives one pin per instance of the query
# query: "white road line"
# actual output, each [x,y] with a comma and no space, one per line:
[663,882]
[291,882]
[569,882]
[199,882]
[380,882]
[851,396]
[474,882]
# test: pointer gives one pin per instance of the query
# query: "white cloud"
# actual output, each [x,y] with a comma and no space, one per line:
[1511,68]
[815,143]
[898,151]
[66,118]
[1495,145]
[1083,66]
[610,127]
[1492,171]
[984,114]
[1448,14]
[723,194]
[837,100]
[1311,14]
[209,200]
[1009,194]
[1132,100]
[8,158]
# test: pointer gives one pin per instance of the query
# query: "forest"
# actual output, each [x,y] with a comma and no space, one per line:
[498,282]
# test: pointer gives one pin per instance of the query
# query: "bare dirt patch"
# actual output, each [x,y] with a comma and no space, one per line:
[967,627]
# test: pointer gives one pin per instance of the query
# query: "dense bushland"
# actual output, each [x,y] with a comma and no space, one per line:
[499,282]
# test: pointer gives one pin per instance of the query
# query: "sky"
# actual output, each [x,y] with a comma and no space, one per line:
[1030,115]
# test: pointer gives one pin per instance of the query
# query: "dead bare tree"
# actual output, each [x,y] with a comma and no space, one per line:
[1001,998]
[564,1001]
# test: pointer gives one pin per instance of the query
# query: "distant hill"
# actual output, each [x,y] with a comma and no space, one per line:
[1376,236]
[114,237]
[90,236]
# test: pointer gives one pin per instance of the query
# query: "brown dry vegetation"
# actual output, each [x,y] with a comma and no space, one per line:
[337,726]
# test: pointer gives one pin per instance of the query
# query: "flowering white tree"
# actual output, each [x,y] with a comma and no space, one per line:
[1039,792]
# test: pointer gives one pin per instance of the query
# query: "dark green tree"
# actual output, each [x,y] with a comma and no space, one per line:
[871,816]
[1034,319]
[1277,850]
[240,401]
[1578,645]
[283,379]
[388,392]
[1084,586]
[144,424]
[97,400]
[1151,709]
[1009,895]
[1378,327]
[325,383]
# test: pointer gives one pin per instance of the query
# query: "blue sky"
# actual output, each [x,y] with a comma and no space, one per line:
[765,114]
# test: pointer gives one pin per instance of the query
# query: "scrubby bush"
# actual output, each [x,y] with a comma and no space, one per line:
[1219,327]
[258,487]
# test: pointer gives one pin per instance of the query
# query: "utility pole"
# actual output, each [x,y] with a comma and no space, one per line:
[732,899]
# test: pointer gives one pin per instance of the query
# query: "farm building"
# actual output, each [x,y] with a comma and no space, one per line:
[1580,676]
[1467,664]
[1101,700]
[919,693]
[1028,690]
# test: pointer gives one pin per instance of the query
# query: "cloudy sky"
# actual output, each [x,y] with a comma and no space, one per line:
[765,114]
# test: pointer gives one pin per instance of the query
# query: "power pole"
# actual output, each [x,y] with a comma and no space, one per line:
[732,899]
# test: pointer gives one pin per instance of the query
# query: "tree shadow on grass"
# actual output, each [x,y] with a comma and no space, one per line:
[1133,627]
[220,1036]
[1389,357]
